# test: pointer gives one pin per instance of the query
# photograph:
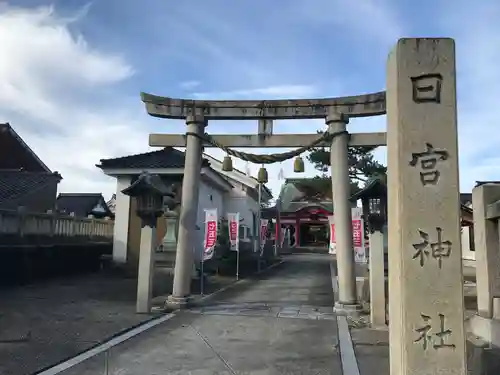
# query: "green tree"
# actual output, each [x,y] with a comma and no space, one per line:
[362,164]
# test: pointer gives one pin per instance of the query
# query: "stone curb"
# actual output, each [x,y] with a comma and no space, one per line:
[103,346]
[348,358]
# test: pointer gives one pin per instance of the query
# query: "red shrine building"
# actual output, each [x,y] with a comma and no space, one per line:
[304,205]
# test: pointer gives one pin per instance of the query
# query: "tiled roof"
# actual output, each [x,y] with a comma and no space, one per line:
[15,153]
[271,212]
[479,183]
[167,157]
[466,198]
[14,184]
[305,190]
[376,185]
[299,193]
[316,188]
[80,203]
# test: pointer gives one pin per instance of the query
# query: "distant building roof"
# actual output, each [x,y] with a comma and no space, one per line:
[299,193]
[83,204]
[316,188]
[167,157]
[15,184]
[375,186]
[15,153]
[466,199]
[213,162]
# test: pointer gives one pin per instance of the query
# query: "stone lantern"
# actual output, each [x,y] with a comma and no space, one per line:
[151,195]
[374,199]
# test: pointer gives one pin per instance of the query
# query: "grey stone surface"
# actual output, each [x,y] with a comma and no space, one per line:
[372,352]
[346,272]
[219,338]
[425,264]
[486,240]
[43,324]
[360,105]
[186,238]
[61,318]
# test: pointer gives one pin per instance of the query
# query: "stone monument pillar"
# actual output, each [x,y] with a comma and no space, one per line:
[426,320]
[188,215]
[342,215]
[377,277]
[486,246]
[146,269]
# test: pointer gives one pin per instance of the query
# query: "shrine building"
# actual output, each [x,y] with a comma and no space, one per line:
[304,205]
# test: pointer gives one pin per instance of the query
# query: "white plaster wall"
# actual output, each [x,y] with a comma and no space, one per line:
[240,202]
[466,252]
[245,206]
[234,201]
[209,197]
[122,215]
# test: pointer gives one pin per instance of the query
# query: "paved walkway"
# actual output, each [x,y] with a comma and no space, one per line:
[281,323]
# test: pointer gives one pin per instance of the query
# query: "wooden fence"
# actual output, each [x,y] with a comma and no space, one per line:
[51,226]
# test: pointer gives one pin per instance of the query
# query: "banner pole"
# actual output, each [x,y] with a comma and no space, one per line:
[259,238]
[238,264]
[202,276]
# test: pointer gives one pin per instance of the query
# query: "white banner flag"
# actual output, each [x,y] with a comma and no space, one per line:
[210,233]
[332,246]
[358,236]
[233,225]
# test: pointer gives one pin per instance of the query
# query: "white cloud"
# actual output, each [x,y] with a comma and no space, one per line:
[478,82]
[189,85]
[50,83]
[65,97]
[38,43]
[366,20]
[280,91]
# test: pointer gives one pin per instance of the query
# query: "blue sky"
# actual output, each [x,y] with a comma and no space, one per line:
[71,72]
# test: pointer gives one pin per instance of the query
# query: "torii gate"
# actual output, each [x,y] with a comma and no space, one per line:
[425,278]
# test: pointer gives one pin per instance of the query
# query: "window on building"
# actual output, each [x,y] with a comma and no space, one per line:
[471,238]
[244,233]
[374,205]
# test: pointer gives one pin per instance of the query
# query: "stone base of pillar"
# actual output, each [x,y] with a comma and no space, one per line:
[351,309]
[166,259]
[177,303]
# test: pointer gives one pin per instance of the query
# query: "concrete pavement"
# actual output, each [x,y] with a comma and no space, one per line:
[279,323]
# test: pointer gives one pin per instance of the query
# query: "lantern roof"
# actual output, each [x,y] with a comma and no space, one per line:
[147,183]
[374,187]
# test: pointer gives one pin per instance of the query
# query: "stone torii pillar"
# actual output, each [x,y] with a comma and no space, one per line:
[342,214]
[426,305]
[188,215]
